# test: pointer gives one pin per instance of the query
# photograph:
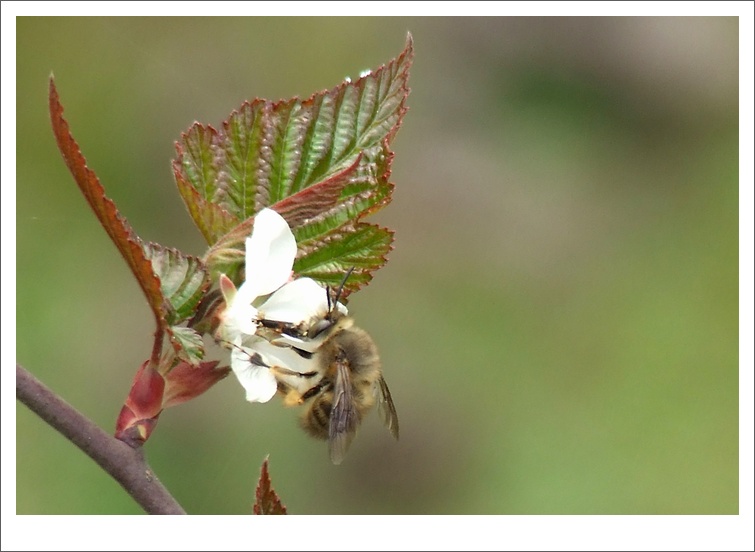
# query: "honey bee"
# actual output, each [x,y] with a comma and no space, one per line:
[350,379]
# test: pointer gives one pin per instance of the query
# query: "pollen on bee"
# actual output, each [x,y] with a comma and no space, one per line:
[291,395]
[293,398]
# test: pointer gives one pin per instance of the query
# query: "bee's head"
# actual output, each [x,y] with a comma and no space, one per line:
[334,315]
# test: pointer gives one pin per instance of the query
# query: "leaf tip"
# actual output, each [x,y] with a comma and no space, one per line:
[266,499]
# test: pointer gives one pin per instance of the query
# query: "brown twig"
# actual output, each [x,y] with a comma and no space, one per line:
[125,464]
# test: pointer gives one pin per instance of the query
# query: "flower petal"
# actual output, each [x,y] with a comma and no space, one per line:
[239,316]
[291,363]
[284,357]
[299,301]
[258,381]
[270,253]
[304,344]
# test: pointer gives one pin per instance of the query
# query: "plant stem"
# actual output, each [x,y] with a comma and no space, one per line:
[125,464]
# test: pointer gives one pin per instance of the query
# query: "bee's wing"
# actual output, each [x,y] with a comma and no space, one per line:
[386,408]
[344,418]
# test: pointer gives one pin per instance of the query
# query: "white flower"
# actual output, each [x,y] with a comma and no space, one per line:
[269,257]
[253,373]
[259,365]
[270,253]
[299,302]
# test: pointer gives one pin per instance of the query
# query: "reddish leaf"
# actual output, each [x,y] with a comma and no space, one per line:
[266,500]
[119,230]
[151,393]
[184,381]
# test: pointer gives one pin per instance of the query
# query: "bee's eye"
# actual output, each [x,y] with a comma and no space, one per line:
[318,328]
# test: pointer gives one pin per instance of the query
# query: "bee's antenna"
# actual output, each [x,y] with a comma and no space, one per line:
[333,298]
[343,283]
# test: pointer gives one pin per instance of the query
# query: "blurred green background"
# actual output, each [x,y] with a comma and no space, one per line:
[558,322]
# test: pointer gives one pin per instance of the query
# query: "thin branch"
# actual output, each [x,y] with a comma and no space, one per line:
[125,464]
[157,348]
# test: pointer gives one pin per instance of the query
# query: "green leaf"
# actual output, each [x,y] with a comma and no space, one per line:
[183,280]
[328,258]
[367,190]
[187,343]
[195,177]
[312,202]
[245,149]
[293,156]
[196,152]
[298,210]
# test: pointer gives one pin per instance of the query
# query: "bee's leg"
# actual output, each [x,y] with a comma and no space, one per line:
[302,353]
[291,397]
[288,372]
[316,389]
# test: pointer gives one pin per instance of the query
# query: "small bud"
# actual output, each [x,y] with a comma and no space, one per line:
[142,407]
